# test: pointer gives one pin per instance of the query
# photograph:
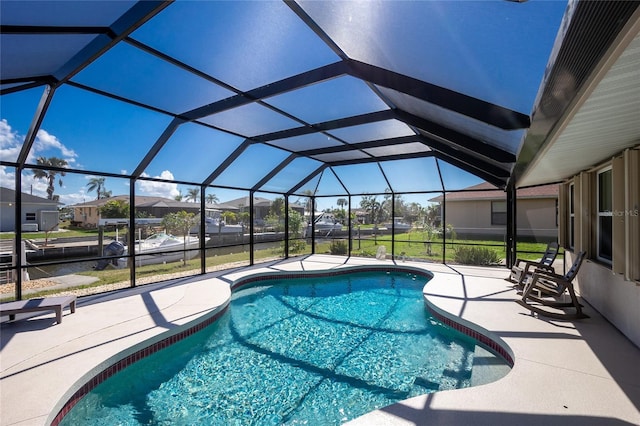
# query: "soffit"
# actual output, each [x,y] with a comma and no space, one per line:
[604,125]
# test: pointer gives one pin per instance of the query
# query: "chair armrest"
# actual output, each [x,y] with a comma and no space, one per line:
[545,268]
[548,275]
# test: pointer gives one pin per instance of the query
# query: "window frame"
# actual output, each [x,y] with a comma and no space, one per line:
[498,214]
[572,215]
[603,214]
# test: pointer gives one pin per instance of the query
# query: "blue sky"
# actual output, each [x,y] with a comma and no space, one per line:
[504,47]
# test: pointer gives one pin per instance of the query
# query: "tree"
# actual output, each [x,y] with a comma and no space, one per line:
[212,199]
[106,194]
[179,223]
[193,194]
[243,217]
[414,212]
[50,175]
[433,215]
[342,202]
[394,200]
[115,209]
[277,207]
[372,206]
[229,217]
[178,197]
[96,184]
[295,223]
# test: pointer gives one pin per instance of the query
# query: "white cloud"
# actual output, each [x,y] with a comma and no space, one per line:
[75,198]
[37,187]
[46,141]
[10,142]
[7,178]
[158,189]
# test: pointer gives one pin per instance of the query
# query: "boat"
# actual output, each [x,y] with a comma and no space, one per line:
[398,225]
[162,248]
[326,222]
[216,225]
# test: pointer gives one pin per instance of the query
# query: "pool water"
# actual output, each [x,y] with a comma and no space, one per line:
[318,351]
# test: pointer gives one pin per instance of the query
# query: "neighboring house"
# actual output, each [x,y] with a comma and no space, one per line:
[261,207]
[38,214]
[87,214]
[480,211]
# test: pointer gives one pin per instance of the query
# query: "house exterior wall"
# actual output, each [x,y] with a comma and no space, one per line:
[30,215]
[536,218]
[86,216]
[616,298]
[7,217]
[611,287]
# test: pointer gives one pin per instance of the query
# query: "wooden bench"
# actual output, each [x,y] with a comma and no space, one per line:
[56,304]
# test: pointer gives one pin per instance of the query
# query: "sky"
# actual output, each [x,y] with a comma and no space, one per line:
[504,46]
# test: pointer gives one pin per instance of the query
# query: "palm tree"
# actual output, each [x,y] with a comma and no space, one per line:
[372,206]
[192,194]
[212,199]
[341,202]
[50,175]
[96,184]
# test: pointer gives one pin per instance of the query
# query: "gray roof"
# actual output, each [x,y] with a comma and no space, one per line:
[9,195]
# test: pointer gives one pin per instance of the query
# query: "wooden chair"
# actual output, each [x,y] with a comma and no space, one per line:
[522,268]
[554,285]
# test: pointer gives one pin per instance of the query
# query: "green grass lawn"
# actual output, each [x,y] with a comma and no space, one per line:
[413,245]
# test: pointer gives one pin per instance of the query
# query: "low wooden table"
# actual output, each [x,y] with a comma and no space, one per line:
[56,304]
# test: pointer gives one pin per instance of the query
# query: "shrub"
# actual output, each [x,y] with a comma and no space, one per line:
[297,246]
[476,256]
[339,247]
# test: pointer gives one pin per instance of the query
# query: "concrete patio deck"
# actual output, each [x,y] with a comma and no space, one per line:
[565,373]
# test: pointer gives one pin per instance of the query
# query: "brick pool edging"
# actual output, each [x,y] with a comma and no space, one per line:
[120,361]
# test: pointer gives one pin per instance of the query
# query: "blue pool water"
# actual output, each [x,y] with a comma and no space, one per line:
[318,351]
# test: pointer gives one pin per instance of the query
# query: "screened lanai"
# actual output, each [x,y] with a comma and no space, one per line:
[253,124]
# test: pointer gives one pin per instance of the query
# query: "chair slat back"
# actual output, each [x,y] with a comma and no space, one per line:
[573,271]
[550,254]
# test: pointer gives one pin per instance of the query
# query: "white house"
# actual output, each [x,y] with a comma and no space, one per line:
[38,214]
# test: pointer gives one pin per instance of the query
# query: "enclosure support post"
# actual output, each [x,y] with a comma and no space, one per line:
[131,260]
[286,227]
[511,225]
[393,225]
[350,227]
[203,229]
[251,228]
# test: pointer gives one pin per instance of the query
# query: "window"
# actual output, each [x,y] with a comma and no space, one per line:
[30,216]
[605,215]
[498,212]
[572,216]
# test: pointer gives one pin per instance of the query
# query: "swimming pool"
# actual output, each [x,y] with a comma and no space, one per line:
[320,350]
